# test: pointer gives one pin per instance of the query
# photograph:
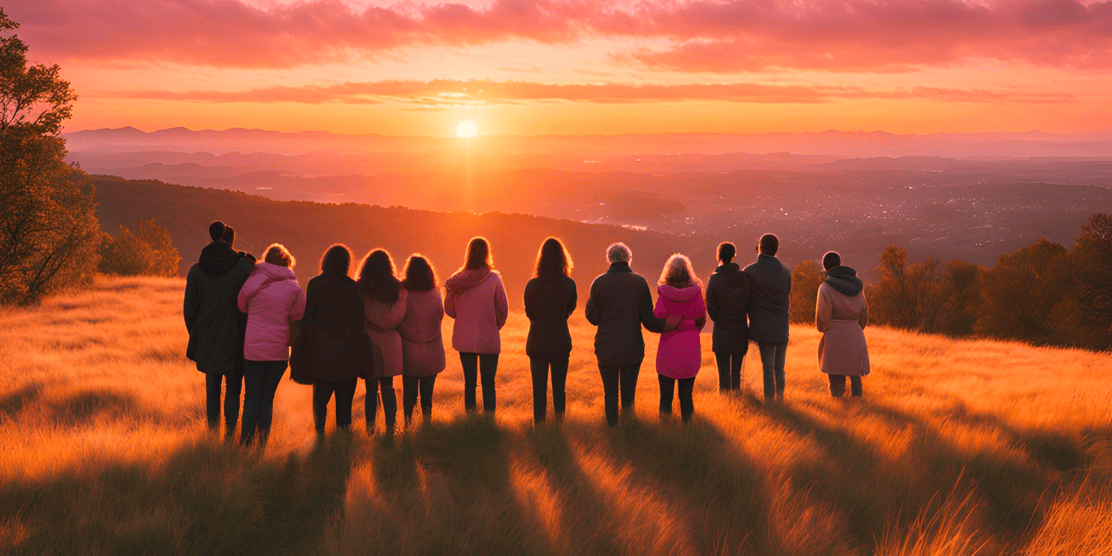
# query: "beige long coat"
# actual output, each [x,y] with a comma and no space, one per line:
[842,319]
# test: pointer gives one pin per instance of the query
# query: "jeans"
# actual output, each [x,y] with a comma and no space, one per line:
[539,368]
[729,370]
[838,385]
[411,387]
[615,380]
[260,382]
[667,389]
[345,393]
[234,386]
[385,385]
[772,359]
[474,364]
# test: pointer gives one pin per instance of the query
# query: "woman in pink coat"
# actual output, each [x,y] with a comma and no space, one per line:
[422,344]
[679,356]
[476,298]
[841,314]
[383,310]
[272,298]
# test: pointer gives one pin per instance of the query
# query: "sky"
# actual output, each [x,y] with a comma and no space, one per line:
[576,67]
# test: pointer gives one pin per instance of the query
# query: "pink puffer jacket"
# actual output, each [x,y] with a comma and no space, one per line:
[477,300]
[679,354]
[272,298]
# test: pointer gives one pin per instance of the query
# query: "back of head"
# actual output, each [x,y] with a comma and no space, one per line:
[830,260]
[216,230]
[478,254]
[618,253]
[552,260]
[277,254]
[678,272]
[230,235]
[420,276]
[726,252]
[769,245]
[336,260]
[377,276]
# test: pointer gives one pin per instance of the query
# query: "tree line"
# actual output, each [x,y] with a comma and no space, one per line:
[1043,293]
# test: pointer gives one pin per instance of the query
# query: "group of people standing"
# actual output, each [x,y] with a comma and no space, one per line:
[244,315]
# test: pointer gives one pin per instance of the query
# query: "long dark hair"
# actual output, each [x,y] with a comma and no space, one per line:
[420,276]
[336,260]
[553,260]
[377,277]
[478,255]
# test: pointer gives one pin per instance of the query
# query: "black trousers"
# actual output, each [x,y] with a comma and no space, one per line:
[838,385]
[412,386]
[615,380]
[729,370]
[539,368]
[322,393]
[232,388]
[475,364]
[385,386]
[667,391]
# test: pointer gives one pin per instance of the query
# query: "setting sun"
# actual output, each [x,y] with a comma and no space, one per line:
[467,129]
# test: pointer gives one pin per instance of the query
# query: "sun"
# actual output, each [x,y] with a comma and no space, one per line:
[467,129]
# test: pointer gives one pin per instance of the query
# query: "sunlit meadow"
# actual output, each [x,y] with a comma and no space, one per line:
[959,447]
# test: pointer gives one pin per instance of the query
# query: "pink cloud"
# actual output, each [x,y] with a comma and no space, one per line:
[835,35]
[453,92]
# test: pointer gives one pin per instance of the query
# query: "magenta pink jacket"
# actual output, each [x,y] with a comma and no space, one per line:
[272,298]
[476,298]
[679,354]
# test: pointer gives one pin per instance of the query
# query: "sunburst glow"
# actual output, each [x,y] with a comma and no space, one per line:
[467,129]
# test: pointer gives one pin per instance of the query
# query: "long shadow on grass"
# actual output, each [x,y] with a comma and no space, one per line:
[872,490]
[205,498]
[720,493]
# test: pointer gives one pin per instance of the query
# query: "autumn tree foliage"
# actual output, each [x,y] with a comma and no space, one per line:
[807,276]
[1021,291]
[48,225]
[148,251]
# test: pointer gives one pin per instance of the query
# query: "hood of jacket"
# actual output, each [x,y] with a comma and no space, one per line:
[845,280]
[218,258]
[678,295]
[731,276]
[467,279]
[275,273]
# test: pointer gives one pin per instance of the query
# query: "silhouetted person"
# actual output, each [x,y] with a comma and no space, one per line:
[476,299]
[272,299]
[230,237]
[334,336]
[383,309]
[769,298]
[214,325]
[550,298]
[679,354]
[422,345]
[727,304]
[619,304]
[841,314]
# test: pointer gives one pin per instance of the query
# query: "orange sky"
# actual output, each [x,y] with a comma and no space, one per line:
[580,67]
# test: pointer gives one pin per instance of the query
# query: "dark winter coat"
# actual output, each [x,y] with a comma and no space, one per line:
[619,304]
[549,302]
[727,305]
[333,328]
[770,290]
[216,327]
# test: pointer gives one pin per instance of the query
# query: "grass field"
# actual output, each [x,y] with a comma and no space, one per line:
[960,447]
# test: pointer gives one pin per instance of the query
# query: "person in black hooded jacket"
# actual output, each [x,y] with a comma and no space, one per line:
[214,324]
[727,303]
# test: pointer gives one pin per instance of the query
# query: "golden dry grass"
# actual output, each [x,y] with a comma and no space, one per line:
[960,447]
